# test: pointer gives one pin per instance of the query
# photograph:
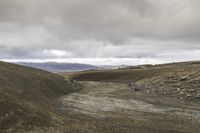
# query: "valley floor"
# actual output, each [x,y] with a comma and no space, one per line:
[113,107]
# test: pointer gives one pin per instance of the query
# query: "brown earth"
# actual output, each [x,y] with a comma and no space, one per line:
[142,99]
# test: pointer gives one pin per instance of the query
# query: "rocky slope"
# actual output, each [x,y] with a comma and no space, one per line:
[177,80]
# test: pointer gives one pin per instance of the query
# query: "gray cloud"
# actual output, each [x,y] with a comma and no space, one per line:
[99,28]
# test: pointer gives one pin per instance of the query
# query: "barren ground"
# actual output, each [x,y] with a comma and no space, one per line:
[113,107]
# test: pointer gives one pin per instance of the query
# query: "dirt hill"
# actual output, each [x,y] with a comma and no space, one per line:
[142,99]
[148,98]
[178,80]
[27,97]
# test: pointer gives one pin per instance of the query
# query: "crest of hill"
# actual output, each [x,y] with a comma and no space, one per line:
[27,95]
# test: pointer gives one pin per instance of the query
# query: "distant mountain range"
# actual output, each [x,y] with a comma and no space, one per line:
[67,67]
[59,67]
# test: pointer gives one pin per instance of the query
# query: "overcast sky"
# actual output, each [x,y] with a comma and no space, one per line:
[100,31]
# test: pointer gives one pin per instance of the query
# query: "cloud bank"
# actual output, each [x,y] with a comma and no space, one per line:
[146,30]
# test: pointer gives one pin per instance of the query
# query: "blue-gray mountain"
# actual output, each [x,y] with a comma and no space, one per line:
[59,67]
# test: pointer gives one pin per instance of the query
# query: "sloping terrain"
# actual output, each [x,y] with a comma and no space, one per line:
[142,99]
[177,80]
[27,97]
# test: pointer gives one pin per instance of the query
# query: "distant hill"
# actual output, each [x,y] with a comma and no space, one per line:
[27,97]
[59,67]
[109,67]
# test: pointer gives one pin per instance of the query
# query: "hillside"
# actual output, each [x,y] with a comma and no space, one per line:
[148,98]
[178,80]
[140,99]
[59,67]
[27,97]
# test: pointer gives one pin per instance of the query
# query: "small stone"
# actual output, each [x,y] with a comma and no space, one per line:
[191,90]
[147,91]
[198,95]
[183,79]
[129,85]
[181,93]
[19,110]
[178,89]
[188,95]
[194,85]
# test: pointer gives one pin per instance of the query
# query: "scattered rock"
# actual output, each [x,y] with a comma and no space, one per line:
[183,79]
[188,95]
[147,91]
[129,85]
[183,89]
[191,90]
[134,87]
[198,95]
[19,110]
